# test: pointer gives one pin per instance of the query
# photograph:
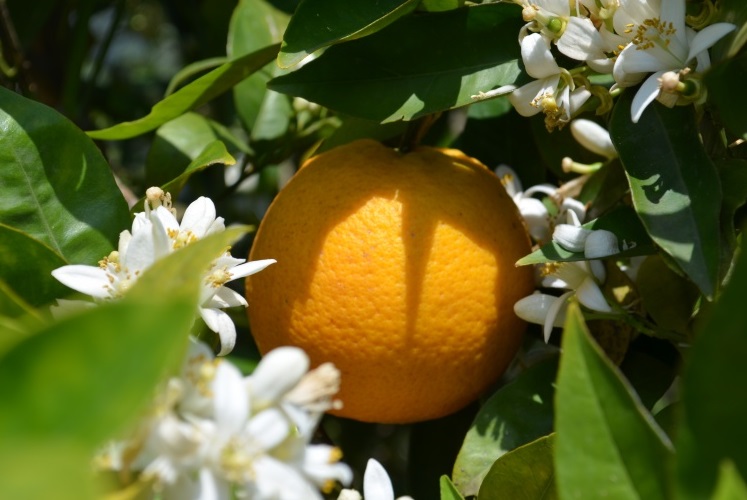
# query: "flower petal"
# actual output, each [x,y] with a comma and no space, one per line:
[89,280]
[708,36]
[222,324]
[225,297]
[376,482]
[538,60]
[555,315]
[581,40]
[572,238]
[230,399]
[268,428]
[591,296]
[249,268]
[645,96]
[533,308]
[199,216]
[277,373]
[600,243]
[593,137]
[536,216]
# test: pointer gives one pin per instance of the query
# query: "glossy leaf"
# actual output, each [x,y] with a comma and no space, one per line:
[526,473]
[516,414]
[191,70]
[621,221]
[256,24]
[608,445]
[317,24]
[725,92]
[26,268]
[448,490]
[84,377]
[191,96]
[54,183]
[419,65]
[674,185]
[712,381]
[179,142]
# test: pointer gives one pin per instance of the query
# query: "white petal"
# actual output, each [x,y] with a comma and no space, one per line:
[141,250]
[577,99]
[250,268]
[167,219]
[509,179]
[522,98]
[218,225]
[538,60]
[124,240]
[555,315]
[230,399]
[376,482]
[537,218]
[572,238]
[199,216]
[321,465]
[89,280]
[645,96]
[533,308]
[573,273]
[64,307]
[348,494]
[581,40]
[220,323]
[708,36]
[601,243]
[593,137]
[674,11]
[591,296]
[573,205]
[268,428]
[277,373]
[225,297]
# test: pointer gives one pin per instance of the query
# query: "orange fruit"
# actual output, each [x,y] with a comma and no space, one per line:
[399,269]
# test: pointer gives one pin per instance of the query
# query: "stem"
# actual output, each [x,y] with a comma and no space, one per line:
[415,132]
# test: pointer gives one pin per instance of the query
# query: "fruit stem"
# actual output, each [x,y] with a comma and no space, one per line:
[415,132]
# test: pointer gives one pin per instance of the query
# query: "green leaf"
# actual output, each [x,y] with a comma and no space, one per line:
[419,65]
[735,12]
[674,185]
[191,70]
[39,469]
[448,490]
[256,24]
[54,183]
[622,221]
[725,92]
[669,298]
[527,473]
[515,415]
[713,381]
[731,485]
[27,266]
[191,96]
[83,378]
[608,445]
[317,24]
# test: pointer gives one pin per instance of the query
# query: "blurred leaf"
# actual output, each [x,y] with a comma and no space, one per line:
[84,377]
[713,379]
[11,304]
[256,24]
[448,490]
[731,485]
[191,70]
[516,414]
[417,66]
[191,96]
[726,94]
[622,221]
[179,142]
[42,469]
[54,184]
[605,189]
[491,108]
[667,297]
[674,185]
[735,12]
[651,365]
[317,24]
[440,5]
[608,445]
[527,473]
[26,268]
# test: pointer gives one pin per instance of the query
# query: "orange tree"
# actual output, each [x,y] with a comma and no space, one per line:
[617,128]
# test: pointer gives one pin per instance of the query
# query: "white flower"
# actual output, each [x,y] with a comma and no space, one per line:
[582,278]
[593,137]
[660,45]
[155,234]
[376,485]
[595,243]
[553,92]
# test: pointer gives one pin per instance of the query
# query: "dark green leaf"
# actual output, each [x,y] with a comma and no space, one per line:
[607,445]
[735,12]
[650,365]
[26,268]
[54,184]
[419,65]
[713,382]
[448,490]
[191,70]
[527,473]
[726,93]
[191,96]
[317,24]
[674,185]
[621,221]
[515,415]
[668,298]
[256,24]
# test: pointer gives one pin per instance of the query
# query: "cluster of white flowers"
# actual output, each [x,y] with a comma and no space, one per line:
[214,434]
[156,233]
[628,39]
[583,278]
